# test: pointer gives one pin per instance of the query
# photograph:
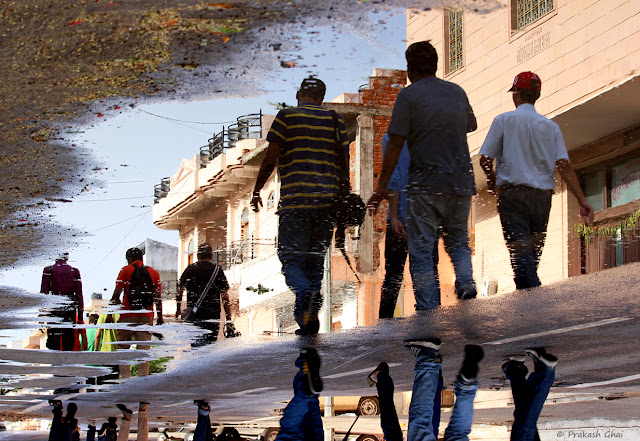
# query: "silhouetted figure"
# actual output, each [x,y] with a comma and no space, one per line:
[64,280]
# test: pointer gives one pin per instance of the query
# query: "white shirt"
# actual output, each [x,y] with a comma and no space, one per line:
[526,146]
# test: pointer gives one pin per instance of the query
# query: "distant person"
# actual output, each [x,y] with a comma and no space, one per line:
[105,336]
[142,288]
[142,431]
[529,394]
[195,278]
[301,419]
[301,142]
[395,242]
[93,344]
[64,280]
[109,430]
[528,149]
[428,367]
[433,116]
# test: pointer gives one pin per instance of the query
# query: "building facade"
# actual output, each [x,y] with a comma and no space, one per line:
[587,54]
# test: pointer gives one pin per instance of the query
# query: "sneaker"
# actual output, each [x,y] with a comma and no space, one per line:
[125,410]
[372,378]
[540,355]
[202,404]
[419,347]
[143,405]
[311,370]
[55,403]
[467,293]
[473,354]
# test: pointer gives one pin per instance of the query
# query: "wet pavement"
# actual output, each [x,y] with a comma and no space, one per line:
[586,321]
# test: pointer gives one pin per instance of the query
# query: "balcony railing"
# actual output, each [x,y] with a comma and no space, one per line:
[246,127]
[161,190]
[241,251]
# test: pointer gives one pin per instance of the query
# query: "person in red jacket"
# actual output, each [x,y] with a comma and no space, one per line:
[135,317]
[64,280]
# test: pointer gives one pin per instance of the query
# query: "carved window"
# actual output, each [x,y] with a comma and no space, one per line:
[525,12]
[454,43]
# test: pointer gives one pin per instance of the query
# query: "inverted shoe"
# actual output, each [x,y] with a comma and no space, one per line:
[310,308]
[55,403]
[202,404]
[473,354]
[512,362]
[372,378]
[143,405]
[428,346]
[125,411]
[540,355]
[311,371]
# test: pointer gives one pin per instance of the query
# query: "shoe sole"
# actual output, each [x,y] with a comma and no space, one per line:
[534,354]
[423,344]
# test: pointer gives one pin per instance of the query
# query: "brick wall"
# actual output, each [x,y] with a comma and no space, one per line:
[381,93]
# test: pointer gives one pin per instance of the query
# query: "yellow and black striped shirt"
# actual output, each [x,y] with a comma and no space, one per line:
[308,163]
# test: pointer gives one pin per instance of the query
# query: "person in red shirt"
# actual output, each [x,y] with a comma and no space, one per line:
[127,314]
[64,280]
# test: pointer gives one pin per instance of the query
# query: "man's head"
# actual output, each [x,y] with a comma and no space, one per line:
[422,60]
[63,256]
[311,90]
[526,88]
[205,252]
[133,254]
[93,318]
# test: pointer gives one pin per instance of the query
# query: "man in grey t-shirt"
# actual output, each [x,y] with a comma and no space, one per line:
[433,116]
[528,149]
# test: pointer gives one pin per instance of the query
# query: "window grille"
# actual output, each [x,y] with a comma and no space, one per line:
[455,47]
[528,11]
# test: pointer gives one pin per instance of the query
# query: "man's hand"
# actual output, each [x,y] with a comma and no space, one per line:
[398,228]
[256,201]
[586,211]
[375,199]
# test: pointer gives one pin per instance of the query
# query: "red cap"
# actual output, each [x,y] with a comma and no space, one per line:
[526,80]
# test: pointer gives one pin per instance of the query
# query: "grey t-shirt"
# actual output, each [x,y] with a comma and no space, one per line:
[434,116]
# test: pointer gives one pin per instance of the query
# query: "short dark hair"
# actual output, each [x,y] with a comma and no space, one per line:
[422,58]
[134,254]
[528,95]
[205,251]
[313,87]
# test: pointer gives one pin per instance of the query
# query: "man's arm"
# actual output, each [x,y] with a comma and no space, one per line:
[396,223]
[569,175]
[179,300]
[487,165]
[226,304]
[266,168]
[45,287]
[77,288]
[115,297]
[158,299]
[391,155]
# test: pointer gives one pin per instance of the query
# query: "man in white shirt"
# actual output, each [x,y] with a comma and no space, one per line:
[528,149]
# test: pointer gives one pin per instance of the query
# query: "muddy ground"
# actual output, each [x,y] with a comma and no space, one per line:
[65,61]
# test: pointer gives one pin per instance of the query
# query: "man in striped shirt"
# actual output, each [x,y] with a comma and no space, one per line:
[301,141]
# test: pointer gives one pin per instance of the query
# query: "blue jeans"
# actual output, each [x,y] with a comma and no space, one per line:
[421,410]
[301,419]
[395,256]
[529,396]
[524,214]
[388,415]
[303,239]
[91,433]
[203,427]
[425,214]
